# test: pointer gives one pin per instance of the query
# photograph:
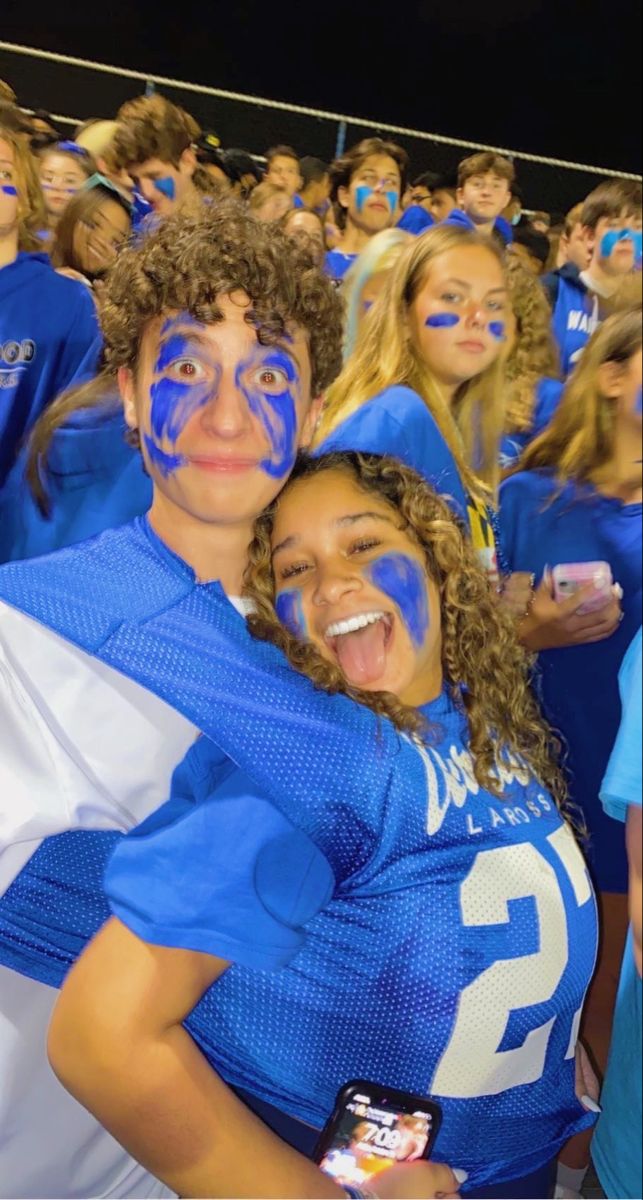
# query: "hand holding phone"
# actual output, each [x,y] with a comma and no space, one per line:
[569,578]
[372,1128]
[556,619]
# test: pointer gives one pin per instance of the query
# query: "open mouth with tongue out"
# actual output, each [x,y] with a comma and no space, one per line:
[361,644]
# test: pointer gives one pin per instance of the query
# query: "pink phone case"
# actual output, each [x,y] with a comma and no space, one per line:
[570,577]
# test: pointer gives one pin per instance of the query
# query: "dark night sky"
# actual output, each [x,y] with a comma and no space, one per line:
[554,78]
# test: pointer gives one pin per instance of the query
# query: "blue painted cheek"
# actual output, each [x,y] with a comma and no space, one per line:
[638,403]
[366,304]
[290,610]
[442,320]
[166,187]
[611,239]
[392,198]
[8,189]
[362,194]
[403,579]
[497,330]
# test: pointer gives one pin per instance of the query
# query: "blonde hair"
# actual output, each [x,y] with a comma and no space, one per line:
[533,354]
[31,206]
[380,254]
[580,439]
[385,355]
[485,668]
[98,138]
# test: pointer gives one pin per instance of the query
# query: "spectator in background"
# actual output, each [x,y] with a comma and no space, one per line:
[282,169]
[573,246]
[154,145]
[616,1146]
[49,336]
[443,197]
[210,156]
[249,172]
[417,216]
[269,202]
[366,278]
[307,227]
[63,167]
[366,185]
[611,226]
[541,221]
[577,499]
[45,132]
[512,212]
[93,228]
[484,188]
[531,247]
[315,185]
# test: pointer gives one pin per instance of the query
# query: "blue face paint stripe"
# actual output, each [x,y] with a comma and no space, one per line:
[8,189]
[404,580]
[638,403]
[443,320]
[166,187]
[497,330]
[290,611]
[610,239]
[363,193]
[276,412]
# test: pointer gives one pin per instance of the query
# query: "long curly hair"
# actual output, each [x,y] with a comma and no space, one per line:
[533,354]
[580,439]
[184,265]
[385,355]
[485,668]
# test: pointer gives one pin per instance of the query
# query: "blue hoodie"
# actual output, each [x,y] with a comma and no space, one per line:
[93,480]
[49,340]
[415,219]
[458,216]
[575,312]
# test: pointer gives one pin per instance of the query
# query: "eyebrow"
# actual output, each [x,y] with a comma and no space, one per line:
[340,523]
[463,283]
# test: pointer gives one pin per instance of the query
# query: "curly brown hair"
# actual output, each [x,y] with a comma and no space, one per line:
[485,668]
[184,265]
[533,354]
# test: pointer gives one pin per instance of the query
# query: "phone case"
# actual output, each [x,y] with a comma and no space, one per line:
[396,1099]
[568,578]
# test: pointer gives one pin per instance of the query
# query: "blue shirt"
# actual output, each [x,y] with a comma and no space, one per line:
[574,313]
[616,1148]
[49,340]
[337,264]
[426,934]
[458,216]
[94,481]
[399,423]
[547,399]
[579,684]
[415,219]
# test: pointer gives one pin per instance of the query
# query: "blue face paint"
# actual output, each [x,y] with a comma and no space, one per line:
[363,193]
[8,189]
[290,610]
[442,320]
[611,239]
[366,304]
[275,409]
[403,579]
[638,403]
[497,330]
[166,187]
[174,401]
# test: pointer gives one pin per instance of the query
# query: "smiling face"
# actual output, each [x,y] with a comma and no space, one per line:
[484,196]
[458,317]
[220,416]
[60,178]
[371,199]
[8,190]
[351,580]
[98,238]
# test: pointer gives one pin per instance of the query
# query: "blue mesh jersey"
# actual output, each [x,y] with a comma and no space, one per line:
[451,959]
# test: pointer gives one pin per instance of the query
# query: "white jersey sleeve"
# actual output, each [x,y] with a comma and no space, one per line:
[81,746]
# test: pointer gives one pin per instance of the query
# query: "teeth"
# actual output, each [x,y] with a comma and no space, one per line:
[351,624]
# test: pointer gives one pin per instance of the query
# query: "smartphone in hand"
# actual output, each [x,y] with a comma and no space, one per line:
[373,1127]
[568,578]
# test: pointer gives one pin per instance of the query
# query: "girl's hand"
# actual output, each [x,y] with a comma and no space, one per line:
[417,1181]
[517,594]
[550,625]
[587,1086]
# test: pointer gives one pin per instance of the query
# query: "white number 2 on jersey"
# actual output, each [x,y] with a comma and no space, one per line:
[472,1065]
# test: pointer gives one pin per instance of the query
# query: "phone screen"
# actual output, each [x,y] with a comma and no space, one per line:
[369,1135]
